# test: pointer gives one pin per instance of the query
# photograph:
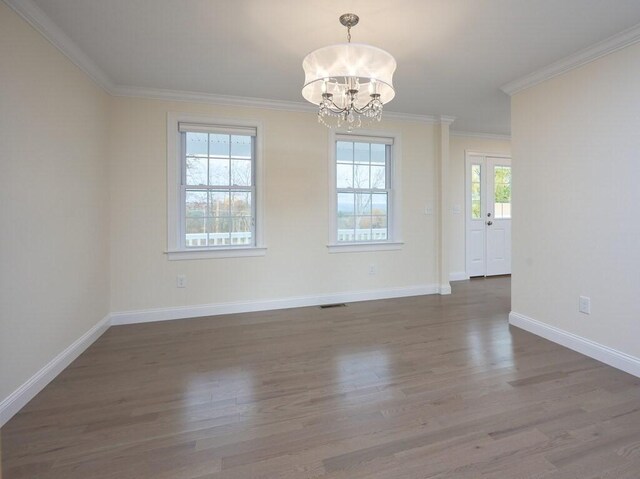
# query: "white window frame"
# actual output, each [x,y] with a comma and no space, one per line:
[176,249]
[394,231]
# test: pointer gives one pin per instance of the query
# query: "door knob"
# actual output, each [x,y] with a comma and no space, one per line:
[489,223]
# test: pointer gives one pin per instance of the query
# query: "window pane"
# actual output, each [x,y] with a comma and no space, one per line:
[379,228]
[344,175]
[241,172]
[363,204]
[379,204]
[475,191]
[240,146]
[241,231]
[219,225]
[219,203]
[379,221]
[196,204]
[346,222]
[344,151]
[378,153]
[196,171]
[195,232]
[475,173]
[196,144]
[218,172]
[361,176]
[218,145]
[502,192]
[195,225]
[476,213]
[363,228]
[361,153]
[346,204]
[241,204]
[378,177]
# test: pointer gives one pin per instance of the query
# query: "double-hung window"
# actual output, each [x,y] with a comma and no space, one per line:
[364,192]
[214,182]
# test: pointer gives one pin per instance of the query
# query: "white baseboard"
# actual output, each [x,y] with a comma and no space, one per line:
[25,393]
[445,289]
[458,276]
[21,396]
[182,312]
[605,354]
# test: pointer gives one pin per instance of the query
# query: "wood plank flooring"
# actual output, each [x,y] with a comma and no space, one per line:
[422,387]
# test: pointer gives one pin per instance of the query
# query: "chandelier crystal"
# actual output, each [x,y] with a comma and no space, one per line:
[350,82]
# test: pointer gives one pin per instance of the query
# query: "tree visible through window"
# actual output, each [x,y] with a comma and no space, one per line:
[362,191]
[502,192]
[218,189]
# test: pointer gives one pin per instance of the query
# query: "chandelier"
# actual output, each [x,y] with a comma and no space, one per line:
[350,82]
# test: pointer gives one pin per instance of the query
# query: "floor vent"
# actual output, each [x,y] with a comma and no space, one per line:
[336,305]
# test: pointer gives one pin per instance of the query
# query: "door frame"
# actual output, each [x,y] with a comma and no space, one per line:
[467,197]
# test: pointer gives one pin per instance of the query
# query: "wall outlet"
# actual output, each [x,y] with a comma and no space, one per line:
[457,209]
[181,281]
[373,269]
[428,210]
[584,305]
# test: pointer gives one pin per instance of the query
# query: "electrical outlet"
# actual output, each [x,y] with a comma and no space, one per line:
[181,281]
[584,305]
[373,269]
[428,210]
[457,209]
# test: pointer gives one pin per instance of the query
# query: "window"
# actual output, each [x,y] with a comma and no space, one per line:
[502,192]
[363,192]
[213,203]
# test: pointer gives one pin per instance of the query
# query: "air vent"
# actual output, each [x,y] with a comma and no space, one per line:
[336,305]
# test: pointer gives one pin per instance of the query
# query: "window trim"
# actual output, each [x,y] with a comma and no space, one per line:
[175,246]
[394,232]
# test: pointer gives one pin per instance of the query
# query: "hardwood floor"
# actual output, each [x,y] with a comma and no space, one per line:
[422,387]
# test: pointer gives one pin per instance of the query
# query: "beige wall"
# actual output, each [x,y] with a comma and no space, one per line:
[53,202]
[297,262]
[458,145]
[576,147]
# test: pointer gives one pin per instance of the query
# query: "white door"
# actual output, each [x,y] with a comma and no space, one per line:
[488,215]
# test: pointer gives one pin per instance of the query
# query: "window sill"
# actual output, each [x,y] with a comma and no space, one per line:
[239,252]
[364,247]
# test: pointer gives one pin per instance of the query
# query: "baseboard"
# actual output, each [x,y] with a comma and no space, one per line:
[605,354]
[164,314]
[25,393]
[458,276]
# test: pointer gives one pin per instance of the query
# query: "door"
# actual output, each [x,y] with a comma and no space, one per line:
[488,214]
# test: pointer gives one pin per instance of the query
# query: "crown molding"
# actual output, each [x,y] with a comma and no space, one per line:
[39,20]
[199,97]
[392,115]
[578,59]
[484,136]
[446,119]
[247,102]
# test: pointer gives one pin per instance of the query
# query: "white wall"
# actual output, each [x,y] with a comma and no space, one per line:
[53,202]
[297,262]
[576,148]
[458,145]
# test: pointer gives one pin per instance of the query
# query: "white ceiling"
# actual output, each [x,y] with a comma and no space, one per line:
[453,55]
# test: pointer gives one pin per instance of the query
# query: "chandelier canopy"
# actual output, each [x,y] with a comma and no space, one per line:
[350,82]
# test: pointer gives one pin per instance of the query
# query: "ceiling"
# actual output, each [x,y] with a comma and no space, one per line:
[453,55]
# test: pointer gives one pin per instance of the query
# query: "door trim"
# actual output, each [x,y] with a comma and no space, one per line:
[467,190]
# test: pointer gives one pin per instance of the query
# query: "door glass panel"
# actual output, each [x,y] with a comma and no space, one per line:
[476,209]
[502,192]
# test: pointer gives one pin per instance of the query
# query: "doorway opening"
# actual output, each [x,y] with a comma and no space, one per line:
[488,214]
